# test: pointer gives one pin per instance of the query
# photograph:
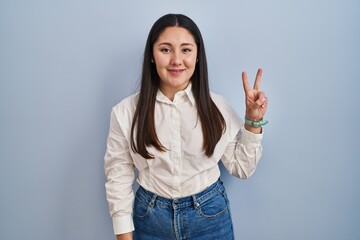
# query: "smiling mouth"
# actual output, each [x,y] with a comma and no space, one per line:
[176,71]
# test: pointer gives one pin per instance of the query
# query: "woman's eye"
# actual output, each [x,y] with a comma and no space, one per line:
[165,50]
[186,50]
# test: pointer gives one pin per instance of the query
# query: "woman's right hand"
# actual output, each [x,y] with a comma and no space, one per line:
[124,236]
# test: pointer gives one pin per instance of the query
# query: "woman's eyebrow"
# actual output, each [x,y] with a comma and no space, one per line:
[187,44]
[169,44]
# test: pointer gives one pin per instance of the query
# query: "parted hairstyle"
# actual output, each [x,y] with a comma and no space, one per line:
[212,122]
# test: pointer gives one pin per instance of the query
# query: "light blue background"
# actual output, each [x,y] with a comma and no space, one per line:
[64,64]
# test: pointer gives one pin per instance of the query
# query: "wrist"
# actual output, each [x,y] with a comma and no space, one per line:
[255,124]
[124,236]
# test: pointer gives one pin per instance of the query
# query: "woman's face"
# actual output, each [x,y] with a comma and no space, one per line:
[175,56]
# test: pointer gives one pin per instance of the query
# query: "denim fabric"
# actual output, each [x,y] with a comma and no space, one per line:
[204,216]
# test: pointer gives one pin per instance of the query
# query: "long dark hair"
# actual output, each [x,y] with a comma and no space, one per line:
[212,121]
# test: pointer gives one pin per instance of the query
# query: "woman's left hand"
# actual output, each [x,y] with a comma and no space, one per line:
[255,100]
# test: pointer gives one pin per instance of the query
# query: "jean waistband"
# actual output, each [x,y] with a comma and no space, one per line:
[184,201]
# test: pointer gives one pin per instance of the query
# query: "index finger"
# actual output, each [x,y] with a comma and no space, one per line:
[245,82]
[258,79]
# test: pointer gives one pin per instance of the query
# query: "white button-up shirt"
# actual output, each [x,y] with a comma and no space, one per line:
[183,169]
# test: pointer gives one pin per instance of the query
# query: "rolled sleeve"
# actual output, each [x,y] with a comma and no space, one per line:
[249,139]
[243,154]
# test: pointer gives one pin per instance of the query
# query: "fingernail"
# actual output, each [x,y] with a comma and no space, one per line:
[263,99]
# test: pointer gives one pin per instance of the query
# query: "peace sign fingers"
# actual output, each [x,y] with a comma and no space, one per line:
[246,85]
[255,100]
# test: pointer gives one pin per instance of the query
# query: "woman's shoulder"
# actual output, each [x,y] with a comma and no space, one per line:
[219,100]
[225,108]
[127,105]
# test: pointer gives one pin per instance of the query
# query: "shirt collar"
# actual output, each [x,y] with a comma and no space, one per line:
[189,93]
[186,92]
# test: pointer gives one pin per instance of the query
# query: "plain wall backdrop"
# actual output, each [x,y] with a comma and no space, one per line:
[64,64]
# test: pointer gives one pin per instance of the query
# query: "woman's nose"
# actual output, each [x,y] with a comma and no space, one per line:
[176,59]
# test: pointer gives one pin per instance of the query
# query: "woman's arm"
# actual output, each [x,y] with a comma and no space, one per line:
[242,155]
[124,236]
[119,171]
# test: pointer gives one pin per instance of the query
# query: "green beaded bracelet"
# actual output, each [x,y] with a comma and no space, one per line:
[260,123]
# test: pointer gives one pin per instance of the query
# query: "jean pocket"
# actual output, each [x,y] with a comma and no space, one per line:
[141,209]
[214,206]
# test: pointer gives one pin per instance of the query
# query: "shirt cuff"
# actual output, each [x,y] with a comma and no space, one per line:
[123,224]
[250,139]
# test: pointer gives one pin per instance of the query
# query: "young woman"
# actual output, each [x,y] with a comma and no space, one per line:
[174,131]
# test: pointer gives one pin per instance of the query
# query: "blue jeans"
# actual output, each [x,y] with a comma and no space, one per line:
[203,216]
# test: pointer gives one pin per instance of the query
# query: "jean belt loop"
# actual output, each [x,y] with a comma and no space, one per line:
[152,202]
[196,204]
